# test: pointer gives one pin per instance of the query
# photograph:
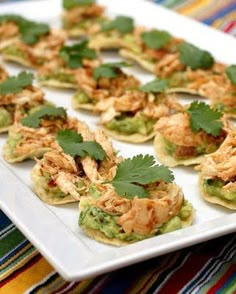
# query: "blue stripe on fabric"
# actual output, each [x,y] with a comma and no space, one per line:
[4,221]
[220,14]
[14,251]
[227,283]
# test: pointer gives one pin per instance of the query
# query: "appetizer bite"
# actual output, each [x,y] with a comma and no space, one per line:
[221,91]
[131,117]
[68,172]
[82,17]
[184,138]
[35,134]
[70,68]
[9,29]
[36,44]
[108,81]
[141,201]
[117,33]
[17,98]
[149,48]
[3,74]
[218,173]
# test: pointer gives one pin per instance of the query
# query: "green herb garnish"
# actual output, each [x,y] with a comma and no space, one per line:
[122,24]
[30,31]
[156,39]
[205,118]
[50,112]
[108,70]
[140,170]
[72,144]
[155,86]
[74,55]
[194,57]
[231,73]
[16,84]
[68,4]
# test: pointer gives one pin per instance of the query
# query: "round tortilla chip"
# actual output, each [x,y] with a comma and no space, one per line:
[9,42]
[130,138]
[101,237]
[4,129]
[100,42]
[167,159]
[149,66]
[53,83]
[183,90]
[85,106]
[46,196]
[214,199]
[18,60]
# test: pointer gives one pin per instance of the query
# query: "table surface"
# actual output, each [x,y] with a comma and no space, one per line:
[209,267]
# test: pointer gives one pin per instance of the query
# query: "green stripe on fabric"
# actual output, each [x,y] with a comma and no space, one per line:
[16,261]
[12,240]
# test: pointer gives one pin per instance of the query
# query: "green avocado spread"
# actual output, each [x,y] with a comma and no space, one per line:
[97,219]
[131,125]
[59,76]
[82,98]
[214,187]
[12,142]
[5,118]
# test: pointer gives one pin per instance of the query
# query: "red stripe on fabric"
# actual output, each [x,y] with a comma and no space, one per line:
[15,274]
[222,280]
[230,26]
[189,269]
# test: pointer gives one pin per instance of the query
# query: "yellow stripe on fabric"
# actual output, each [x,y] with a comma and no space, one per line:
[28,278]
[19,264]
[189,8]
[219,22]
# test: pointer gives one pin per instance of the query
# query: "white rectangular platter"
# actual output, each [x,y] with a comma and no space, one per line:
[54,230]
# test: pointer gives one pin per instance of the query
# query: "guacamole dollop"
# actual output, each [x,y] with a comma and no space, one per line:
[214,187]
[5,118]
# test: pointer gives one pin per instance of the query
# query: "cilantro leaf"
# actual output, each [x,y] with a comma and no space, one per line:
[140,170]
[194,57]
[68,4]
[33,120]
[123,24]
[155,86]
[72,144]
[30,31]
[108,70]
[15,84]
[74,55]
[156,39]
[205,118]
[231,73]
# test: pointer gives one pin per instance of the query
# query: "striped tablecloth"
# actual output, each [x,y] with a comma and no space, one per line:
[209,267]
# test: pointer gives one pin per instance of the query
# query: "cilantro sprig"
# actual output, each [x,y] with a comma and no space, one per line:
[203,117]
[140,170]
[33,120]
[72,143]
[108,70]
[155,86]
[68,4]
[123,24]
[155,39]
[15,84]
[194,57]
[231,73]
[30,31]
[74,55]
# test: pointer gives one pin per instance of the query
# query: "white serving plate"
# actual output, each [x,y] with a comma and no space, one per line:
[54,230]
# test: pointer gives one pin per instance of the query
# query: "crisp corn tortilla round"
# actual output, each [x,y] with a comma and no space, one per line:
[149,66]
[46,196]
[214,199]
[100,42]
[101,237]
[53,83]
[167,159]
[8,42]
[183,90]
[85,106]
[34,153]
[4,129]
[18,60]
[130,138]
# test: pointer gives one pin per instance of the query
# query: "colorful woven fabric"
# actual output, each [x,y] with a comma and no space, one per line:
[209,267]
